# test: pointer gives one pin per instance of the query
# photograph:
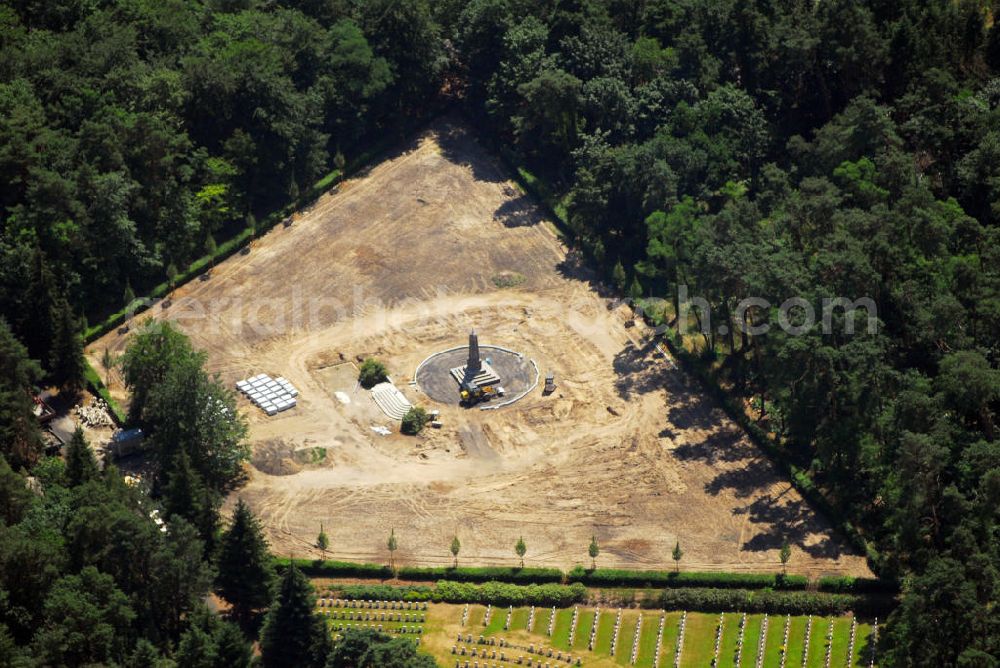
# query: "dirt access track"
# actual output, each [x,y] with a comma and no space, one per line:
[402,261]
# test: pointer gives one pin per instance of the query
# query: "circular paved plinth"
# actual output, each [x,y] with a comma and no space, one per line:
[435,380]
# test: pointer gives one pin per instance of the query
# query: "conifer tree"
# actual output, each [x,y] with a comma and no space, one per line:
[520,549]
[186,495]
[231,649]
[677,554]
[246,576]
[593,551]
[20,435]
[456,547]
[81,466]
[66,364]
[293,636]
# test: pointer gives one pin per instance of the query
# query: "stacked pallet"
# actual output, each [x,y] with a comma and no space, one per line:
[271,395]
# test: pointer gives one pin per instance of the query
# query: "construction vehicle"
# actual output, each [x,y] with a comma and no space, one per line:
[472,393]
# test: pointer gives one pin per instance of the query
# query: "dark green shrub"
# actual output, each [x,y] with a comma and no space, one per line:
[371,373]
[628,578]
[413,421]
[482,574]
[494,593]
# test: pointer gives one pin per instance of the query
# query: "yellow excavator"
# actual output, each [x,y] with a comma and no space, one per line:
[472,394]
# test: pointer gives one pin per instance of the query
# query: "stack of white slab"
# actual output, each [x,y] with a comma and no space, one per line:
[271,395]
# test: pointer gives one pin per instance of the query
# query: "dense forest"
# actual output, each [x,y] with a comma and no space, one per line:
[761,148]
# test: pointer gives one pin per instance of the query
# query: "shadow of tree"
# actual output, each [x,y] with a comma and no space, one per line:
[793,521]
[459,144]
[518,212]
[636,370]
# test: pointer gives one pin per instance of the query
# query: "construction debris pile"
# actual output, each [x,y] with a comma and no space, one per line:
[94,414]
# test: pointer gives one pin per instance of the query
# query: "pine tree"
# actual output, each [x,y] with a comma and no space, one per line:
[172,276]
[293,634]
[81,466]
[246,576]
[593,551]
[392,546]
[618,276]
[521,549]
[231,649]
[677,554]
[456,546]
[185,495]
[66,364]
[35,326]
[322,540]
[784,555]
[211,248]
[20,435]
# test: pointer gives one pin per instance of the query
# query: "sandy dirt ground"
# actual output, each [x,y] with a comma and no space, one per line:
[402,261]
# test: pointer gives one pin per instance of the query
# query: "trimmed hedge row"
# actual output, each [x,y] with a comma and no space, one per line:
[852,585]
[346,569]
[771,602]
[593,578]
[630,578]
[494,593]
[324,568]
[483,574]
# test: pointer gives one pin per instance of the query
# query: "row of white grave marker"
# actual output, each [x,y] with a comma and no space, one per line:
[271,395]
[326,602]
[593,629]
[659,641]
[614,635]
[680,640]
[572,625]
[739,641]
[805,648]
[784,643]
[718,638]
[763,641]
[829,644]
[552,621]
[635,640]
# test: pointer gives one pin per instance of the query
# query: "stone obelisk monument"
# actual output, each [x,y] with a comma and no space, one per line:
[474,365]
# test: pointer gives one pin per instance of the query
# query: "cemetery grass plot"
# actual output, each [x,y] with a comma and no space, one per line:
[444,627]
[400,262]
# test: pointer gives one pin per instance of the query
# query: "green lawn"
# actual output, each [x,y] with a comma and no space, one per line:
[862,645]
[699,636]
[841,638]
[751,640]
[519,621]
[605,629]
[560,633]
[497,618]
[475,621]
[583,626]
[730,635]
[775,636]
[542,621]
[817,643]
[796,640]
[647,640]
[671,629]
[699,640]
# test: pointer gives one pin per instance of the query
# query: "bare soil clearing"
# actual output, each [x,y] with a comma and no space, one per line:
[402,262]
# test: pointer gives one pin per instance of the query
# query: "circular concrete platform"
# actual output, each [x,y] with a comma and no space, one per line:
[517,373]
